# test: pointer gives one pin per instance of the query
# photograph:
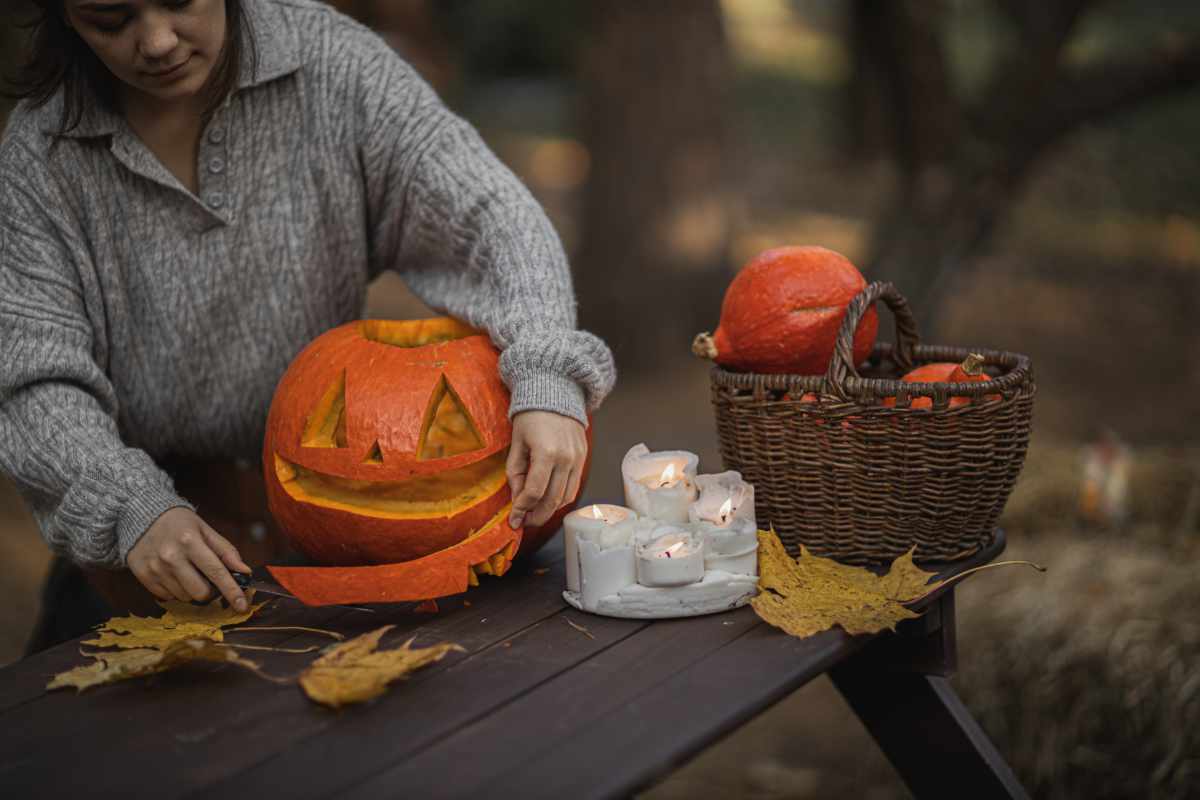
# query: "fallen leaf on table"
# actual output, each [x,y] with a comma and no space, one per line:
[354,671]
[808,594]
[181,621]
[122,664]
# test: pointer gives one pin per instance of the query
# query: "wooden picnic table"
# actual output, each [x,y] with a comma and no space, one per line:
[545,702]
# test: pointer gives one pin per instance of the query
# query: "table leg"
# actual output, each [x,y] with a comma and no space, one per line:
[897,686]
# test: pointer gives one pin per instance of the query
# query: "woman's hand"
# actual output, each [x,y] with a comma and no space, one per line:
[545,465]
[176,552]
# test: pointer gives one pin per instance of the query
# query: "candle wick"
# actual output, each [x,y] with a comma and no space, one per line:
[668,554]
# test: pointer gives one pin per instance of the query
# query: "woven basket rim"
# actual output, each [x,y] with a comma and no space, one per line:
[1017,375]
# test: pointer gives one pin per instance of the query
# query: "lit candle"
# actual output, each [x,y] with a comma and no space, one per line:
[660,485]
[722,498]
[723,517]
[669,557]
[603,524]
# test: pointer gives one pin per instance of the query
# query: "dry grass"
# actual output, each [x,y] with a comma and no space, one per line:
[1089,681]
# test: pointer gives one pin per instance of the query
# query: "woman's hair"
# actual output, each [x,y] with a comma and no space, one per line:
[58,57]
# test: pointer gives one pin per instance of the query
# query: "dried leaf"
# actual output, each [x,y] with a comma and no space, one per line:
[122,664]
[805,596]
[181,621]
[354,671]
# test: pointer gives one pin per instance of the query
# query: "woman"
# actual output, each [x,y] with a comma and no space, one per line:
[192,191]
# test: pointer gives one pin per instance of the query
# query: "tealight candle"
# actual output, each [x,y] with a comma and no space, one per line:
[670,557]
[602,524]
[660,485]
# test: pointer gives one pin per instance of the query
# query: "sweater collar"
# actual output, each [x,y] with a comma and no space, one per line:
[275,51]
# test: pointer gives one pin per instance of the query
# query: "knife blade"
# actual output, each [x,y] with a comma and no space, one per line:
[246,580]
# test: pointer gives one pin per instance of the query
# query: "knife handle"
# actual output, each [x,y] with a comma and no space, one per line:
[243,580]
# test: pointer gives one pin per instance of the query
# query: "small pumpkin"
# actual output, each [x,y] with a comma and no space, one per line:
[386,444]
[970,370]
[782,311]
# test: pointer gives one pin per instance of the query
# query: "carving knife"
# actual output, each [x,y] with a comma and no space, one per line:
[248,581]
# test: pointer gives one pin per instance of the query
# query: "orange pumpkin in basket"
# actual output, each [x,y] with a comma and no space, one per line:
[970,370]
[782,312]
[386,444]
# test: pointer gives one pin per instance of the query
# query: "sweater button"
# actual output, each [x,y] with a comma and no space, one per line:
[215,199]
[216,135]
[216,165]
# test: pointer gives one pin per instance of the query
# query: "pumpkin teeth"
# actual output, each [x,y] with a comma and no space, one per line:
[483,567]
[510,551]
[499,564]
[472,578]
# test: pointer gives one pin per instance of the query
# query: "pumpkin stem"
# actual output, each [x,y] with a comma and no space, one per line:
[704,346]
[973,364]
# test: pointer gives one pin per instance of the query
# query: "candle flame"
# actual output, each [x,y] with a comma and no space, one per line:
[672,549]
[726,510]
[668,475]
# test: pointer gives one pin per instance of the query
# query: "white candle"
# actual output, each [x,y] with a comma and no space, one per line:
[722,498]
[723,516]
[670,557]
[603,524]
[660,485]
[603,572]
[732,547]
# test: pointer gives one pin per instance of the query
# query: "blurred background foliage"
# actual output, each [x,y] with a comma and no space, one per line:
[1026,171]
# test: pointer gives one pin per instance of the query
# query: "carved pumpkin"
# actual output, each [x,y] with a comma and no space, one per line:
[386,445]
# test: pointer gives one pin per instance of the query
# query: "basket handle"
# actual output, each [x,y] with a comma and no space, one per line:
[841,366]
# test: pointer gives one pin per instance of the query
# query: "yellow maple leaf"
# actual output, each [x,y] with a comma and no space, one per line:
[181,621]
[354,671]
[132,663]
[806,595]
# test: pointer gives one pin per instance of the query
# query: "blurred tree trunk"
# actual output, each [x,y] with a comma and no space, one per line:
[653,260]
[963,162]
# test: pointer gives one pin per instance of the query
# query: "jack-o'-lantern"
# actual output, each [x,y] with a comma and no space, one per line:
[386,444]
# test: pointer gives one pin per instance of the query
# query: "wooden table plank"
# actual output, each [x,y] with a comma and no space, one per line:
[630,715]
[483,756]
[222,722]
[364,741]
[534,706]
[123,736]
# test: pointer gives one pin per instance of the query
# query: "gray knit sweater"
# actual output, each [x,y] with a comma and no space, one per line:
[138,320]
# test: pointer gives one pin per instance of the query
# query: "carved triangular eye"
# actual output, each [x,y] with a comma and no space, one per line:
[326,425]
[375,456]
[448,429]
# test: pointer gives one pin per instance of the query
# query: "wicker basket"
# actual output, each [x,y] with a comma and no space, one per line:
[861,482]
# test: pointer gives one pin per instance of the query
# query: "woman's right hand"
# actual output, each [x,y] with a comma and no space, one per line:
[173,556]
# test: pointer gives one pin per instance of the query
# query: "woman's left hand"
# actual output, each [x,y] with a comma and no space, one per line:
[545,465]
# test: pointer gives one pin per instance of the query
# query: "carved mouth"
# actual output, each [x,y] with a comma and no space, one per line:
[440,495]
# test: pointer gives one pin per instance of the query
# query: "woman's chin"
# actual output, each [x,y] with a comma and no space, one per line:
[186,87]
